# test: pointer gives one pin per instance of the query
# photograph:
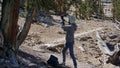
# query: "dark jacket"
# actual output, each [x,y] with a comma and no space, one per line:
[70,30]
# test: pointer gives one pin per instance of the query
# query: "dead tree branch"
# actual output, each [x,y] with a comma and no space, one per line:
[23,33]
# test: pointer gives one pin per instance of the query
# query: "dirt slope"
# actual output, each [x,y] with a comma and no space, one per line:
[87,51]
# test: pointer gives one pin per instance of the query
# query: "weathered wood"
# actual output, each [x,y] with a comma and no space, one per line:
[60,4]
[113,55]
[102,45]
[8,26]
[54,45]
[10,12]
[14,20]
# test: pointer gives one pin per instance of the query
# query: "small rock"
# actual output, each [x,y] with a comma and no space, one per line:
[32,64]
[85,38]
[112,35]
[59,32]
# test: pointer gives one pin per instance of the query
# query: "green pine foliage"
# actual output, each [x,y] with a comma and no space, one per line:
[38,5]
[116,12]
[88,8]
[46,5]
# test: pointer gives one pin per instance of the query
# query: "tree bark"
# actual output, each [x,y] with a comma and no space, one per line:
[60,4]
[10,12]
[9,21]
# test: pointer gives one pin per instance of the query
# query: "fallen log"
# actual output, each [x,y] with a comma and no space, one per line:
[54,45]
[102,45]
[113,55]
[51,47]
[81,48]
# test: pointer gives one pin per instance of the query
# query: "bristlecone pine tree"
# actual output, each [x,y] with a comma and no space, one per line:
[9,28]
[13,37]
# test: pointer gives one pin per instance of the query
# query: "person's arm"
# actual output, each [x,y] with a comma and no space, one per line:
[63,21]
[66,27]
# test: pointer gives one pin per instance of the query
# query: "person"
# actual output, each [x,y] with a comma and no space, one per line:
[70,30]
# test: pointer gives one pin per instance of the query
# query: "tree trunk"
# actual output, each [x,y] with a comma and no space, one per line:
[8,24]
[60,4]
[10,12]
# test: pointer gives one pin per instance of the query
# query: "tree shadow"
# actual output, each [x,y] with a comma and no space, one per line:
[30,61]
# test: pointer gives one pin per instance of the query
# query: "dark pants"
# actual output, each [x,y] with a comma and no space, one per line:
[69,45]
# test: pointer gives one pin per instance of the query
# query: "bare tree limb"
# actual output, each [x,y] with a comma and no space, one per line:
[23,33]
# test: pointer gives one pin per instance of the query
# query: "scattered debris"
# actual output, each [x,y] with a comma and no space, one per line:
[81,48]
[85,38]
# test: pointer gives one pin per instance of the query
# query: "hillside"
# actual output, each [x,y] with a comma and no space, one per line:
[43,41]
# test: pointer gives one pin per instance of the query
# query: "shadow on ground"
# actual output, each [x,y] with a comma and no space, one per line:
[30,61]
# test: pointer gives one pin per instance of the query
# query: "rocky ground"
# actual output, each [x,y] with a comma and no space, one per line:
[86,48]
[34,51]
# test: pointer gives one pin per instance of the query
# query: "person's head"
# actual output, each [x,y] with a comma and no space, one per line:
[71,10]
